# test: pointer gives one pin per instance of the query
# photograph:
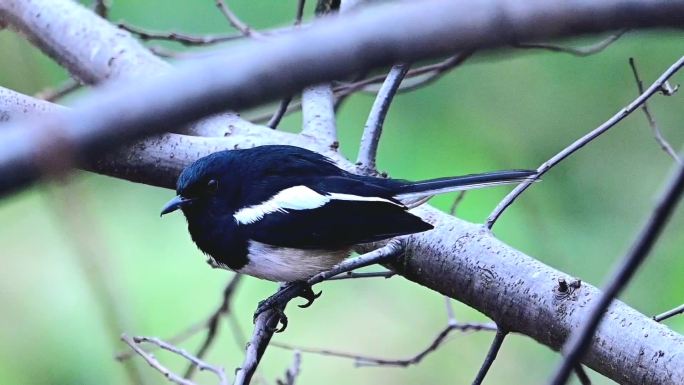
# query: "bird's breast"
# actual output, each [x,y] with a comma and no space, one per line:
[285,264]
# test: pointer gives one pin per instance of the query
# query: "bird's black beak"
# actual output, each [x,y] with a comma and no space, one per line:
[174,204]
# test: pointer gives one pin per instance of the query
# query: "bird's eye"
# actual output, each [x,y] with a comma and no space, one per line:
[212,186]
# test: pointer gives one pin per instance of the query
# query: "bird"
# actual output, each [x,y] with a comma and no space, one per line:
[284,213]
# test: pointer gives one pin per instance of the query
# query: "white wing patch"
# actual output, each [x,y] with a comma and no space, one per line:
[296,198]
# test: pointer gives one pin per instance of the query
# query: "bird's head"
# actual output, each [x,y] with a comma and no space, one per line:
[204,186]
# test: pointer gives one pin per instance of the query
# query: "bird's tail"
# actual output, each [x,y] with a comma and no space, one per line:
[414,194]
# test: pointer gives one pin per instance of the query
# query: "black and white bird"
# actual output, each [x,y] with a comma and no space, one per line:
[284,213]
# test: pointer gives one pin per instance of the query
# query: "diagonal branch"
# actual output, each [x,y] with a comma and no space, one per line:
[581,142]
[373,128]
[579,341]
[664,144]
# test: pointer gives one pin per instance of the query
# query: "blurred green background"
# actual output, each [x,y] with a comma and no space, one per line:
[500,110]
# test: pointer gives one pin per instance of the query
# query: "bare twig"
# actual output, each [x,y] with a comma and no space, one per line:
[491,356]
[292,372]
[214,321]
[178,37]
[361,360]
[279,113]
[373,128]
[211,324]
[264,326]
[101,8]
[56,93]
[135,342]
[669,314]
[657,134]
[341,91]
[451,315]
[582,375]
[581,51]
[581,142]
[300,12]
[355,275]
[457,201]
[235,21]
[579,340]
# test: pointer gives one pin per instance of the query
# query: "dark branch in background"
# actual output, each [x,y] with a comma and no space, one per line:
[669,314]
[300,12]
[580,339]
[101,8]
[235,21]
[582,375]
[62,90]
[181,38]
[651,120]
[213,322]
[456,202]
[581,142]
[376,118]
[491,356]
[279,113]
[135,342]
[581,52]
[361,360]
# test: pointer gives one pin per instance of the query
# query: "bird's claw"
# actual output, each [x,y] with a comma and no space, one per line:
[308,294]
[279,300]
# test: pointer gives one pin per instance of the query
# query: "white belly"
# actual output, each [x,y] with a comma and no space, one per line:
[282,264]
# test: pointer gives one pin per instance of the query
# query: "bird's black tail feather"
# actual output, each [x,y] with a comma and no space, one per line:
[415,193]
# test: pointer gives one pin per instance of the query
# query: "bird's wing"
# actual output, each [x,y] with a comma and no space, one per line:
[328,213]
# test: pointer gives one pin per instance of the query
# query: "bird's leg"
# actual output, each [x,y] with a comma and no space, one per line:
[286,293]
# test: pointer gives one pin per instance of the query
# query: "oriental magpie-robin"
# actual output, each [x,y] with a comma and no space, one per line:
[284,213]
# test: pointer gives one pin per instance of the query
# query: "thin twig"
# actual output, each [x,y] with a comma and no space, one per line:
[457,201]
[135,342]
[178,37]
[293,371]
[581,51]
[279,113]
[451,315]
[657,134]
[361,360]
[343,90]
[264,326]
[101,8]
[210,323]
[581,142]
[669,314]
[491,356]
[373,128]
[580,339]
[582,375]
[355,275]
[300,12]
[214,321]
[62,90]
[235,21]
